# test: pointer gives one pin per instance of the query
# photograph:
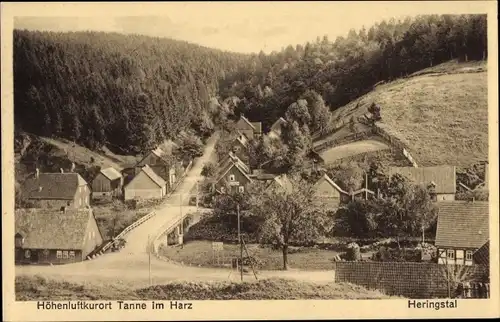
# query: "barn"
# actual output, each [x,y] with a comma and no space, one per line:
[45,236]
[250,129]
[145,185]
[107,184]
[441,178]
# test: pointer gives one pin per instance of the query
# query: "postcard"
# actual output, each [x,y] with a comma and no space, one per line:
[249,160]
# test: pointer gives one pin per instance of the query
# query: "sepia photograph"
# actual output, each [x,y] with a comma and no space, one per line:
[250,151]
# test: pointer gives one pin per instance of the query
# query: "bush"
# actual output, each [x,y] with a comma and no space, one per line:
[397,255]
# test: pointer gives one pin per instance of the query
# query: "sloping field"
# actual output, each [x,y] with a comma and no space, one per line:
[441,115]
[82,155]
[351,149]
[40,288]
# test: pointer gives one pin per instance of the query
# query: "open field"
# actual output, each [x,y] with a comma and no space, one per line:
[199,253]
[351,149]
[441,113]
[40,288]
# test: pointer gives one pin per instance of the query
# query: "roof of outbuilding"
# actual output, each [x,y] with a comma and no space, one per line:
[52,229]
[443,176]
[326,178]
[111,173]
[462,224]
[53,185]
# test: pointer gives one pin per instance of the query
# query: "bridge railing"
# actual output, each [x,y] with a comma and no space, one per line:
[144,218]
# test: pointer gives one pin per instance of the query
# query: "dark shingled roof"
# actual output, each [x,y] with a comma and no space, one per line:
[482,255]
[52,229]
[442,176]
[462,224]
[53,186]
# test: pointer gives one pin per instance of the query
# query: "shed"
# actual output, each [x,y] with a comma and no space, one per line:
[107,183]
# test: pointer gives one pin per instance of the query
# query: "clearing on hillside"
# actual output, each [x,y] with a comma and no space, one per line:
[351,149]
[440,113]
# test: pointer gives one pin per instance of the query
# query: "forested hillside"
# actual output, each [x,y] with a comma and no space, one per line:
[123,92]
[343,70]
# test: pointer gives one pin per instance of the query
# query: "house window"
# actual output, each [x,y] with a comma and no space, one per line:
[59,254]
[27,253]
[236,149]
[65,254]
[231,177]
[450,254]
[241,189]
[468,255]
[72,254]
[87,200]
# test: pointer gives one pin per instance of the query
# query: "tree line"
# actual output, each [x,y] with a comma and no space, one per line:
[345,69]
[128,92]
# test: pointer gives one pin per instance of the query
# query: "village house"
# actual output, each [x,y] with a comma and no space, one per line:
[145,185]
[239,147]
[233,176]
[57,190]
[328,192]
[462,229]
[281,182]
[45,236]
[277,128]
[162,163]
[108,183]
[250,129]
[441,179]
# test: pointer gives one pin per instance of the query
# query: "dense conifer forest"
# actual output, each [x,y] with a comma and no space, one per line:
[130,92]
[127,92]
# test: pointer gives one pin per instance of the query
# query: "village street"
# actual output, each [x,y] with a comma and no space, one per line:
[130,265]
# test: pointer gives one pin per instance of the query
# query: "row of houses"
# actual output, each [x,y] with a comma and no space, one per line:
[63,229]
[151,178]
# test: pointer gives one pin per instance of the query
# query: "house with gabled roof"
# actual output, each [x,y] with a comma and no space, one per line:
[462,229]
[328,192]
[145,185]
[50,236]
[233,176]
[162,162]
[57,190]
[108,183]
[281,182]
[250,129]
[239,146]
[441,179]
[277,128]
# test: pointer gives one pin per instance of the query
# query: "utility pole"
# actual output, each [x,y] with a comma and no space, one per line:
[241,244]
[149,259]
[366,186]
[197,193]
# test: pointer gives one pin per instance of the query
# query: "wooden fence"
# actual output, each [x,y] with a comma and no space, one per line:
[140,220]
[416,280]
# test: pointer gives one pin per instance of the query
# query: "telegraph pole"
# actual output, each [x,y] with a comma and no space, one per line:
[197,193]
[149,259]
[241,244]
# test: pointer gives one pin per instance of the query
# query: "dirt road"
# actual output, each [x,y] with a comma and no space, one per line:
[133,264]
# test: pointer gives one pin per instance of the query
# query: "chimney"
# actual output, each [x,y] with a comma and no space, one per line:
[61,169]
[72,167]
[37,173]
